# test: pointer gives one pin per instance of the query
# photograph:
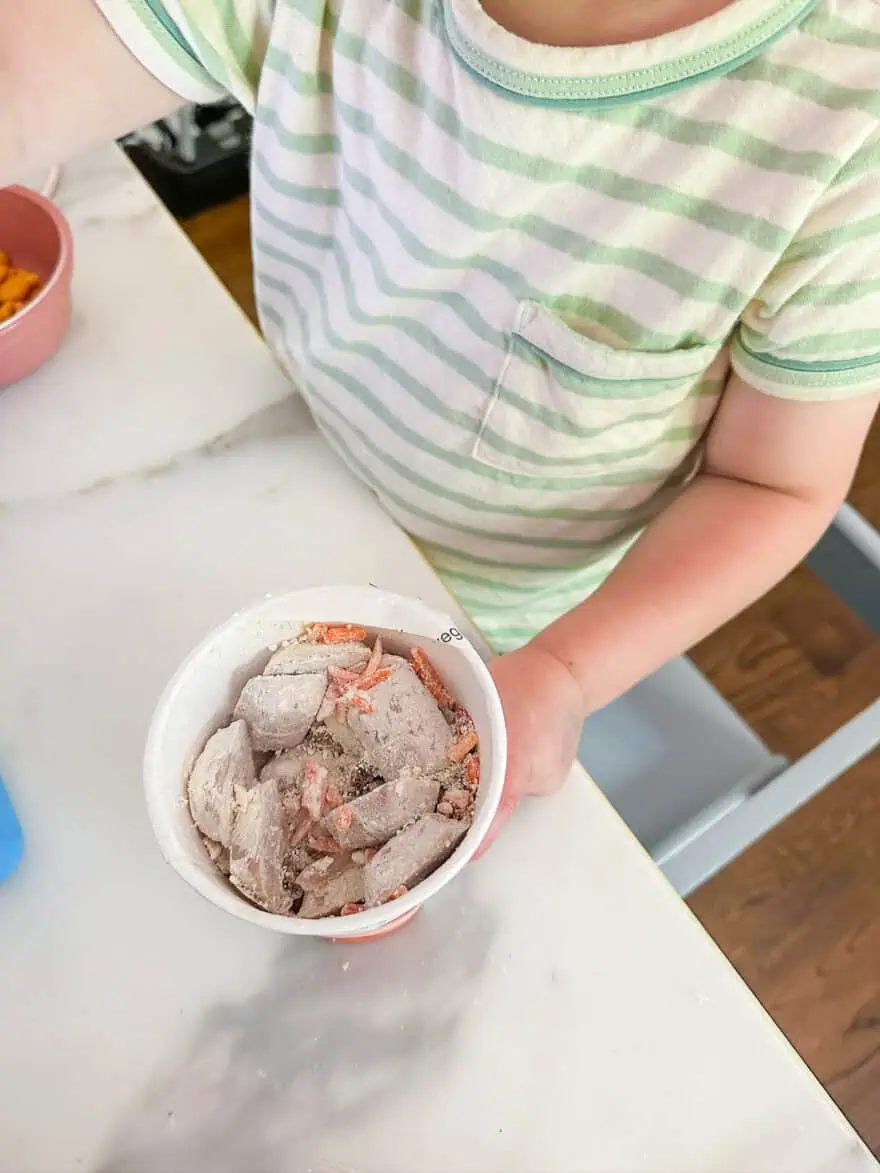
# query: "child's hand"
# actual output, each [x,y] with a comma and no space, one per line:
[543,708]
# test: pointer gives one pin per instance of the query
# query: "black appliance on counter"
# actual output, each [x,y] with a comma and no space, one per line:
[197,158]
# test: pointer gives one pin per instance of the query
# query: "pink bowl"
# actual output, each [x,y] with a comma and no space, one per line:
[35,236]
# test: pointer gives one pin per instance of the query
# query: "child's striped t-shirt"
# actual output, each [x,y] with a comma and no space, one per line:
[511,279]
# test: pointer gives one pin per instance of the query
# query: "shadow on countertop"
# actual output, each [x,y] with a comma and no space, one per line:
[336,1033]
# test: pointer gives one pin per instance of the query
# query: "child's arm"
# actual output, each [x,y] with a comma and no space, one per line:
[775,472]
[69,79]
[67,82]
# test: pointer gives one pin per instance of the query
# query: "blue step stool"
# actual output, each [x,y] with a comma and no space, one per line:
[11,837]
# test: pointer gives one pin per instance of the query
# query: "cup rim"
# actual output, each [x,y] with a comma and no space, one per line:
[65,250]
[362,924]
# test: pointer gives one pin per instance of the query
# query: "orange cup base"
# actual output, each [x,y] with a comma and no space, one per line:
[385,931]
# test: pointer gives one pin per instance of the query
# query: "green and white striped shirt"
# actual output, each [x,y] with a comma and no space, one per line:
[512,279]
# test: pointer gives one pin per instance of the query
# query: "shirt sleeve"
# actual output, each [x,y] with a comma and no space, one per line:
[813,331]
[200,49]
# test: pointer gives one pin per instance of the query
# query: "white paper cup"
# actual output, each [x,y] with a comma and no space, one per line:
[202,693]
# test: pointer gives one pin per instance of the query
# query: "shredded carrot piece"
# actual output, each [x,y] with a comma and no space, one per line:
[431,679]
[332,798]
[351,909]
[335,633]
[361,703]
[345,633]
[314,785]
[342,675]
[462,748]
[396,894]
[462,722]
[375,659]
[343,817]
[366,682]
[472,770]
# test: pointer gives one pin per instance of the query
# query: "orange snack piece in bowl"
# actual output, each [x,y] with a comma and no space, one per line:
[17,287]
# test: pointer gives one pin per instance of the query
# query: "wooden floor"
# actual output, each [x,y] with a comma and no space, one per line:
[798,914]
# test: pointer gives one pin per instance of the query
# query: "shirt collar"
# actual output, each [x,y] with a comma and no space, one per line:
[617,73]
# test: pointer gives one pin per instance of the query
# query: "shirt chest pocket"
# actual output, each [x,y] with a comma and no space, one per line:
[565,403]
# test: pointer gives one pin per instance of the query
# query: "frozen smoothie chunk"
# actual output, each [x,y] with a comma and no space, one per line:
[279,710]
[313,778]
[218,854]
[226,761]
[376,816]
[289,768]
[398,727]
[411,856]
[321,871]
[297,659]
[286,768]
[327,896]
[259,846]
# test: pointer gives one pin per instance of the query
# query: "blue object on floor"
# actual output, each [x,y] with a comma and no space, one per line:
[11,837]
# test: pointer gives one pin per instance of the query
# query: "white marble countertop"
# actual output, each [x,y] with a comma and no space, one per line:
[559,1015]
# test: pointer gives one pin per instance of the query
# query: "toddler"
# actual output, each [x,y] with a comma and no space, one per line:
[587,293]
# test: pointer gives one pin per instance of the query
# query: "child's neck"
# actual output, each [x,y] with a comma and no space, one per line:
[588,23]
